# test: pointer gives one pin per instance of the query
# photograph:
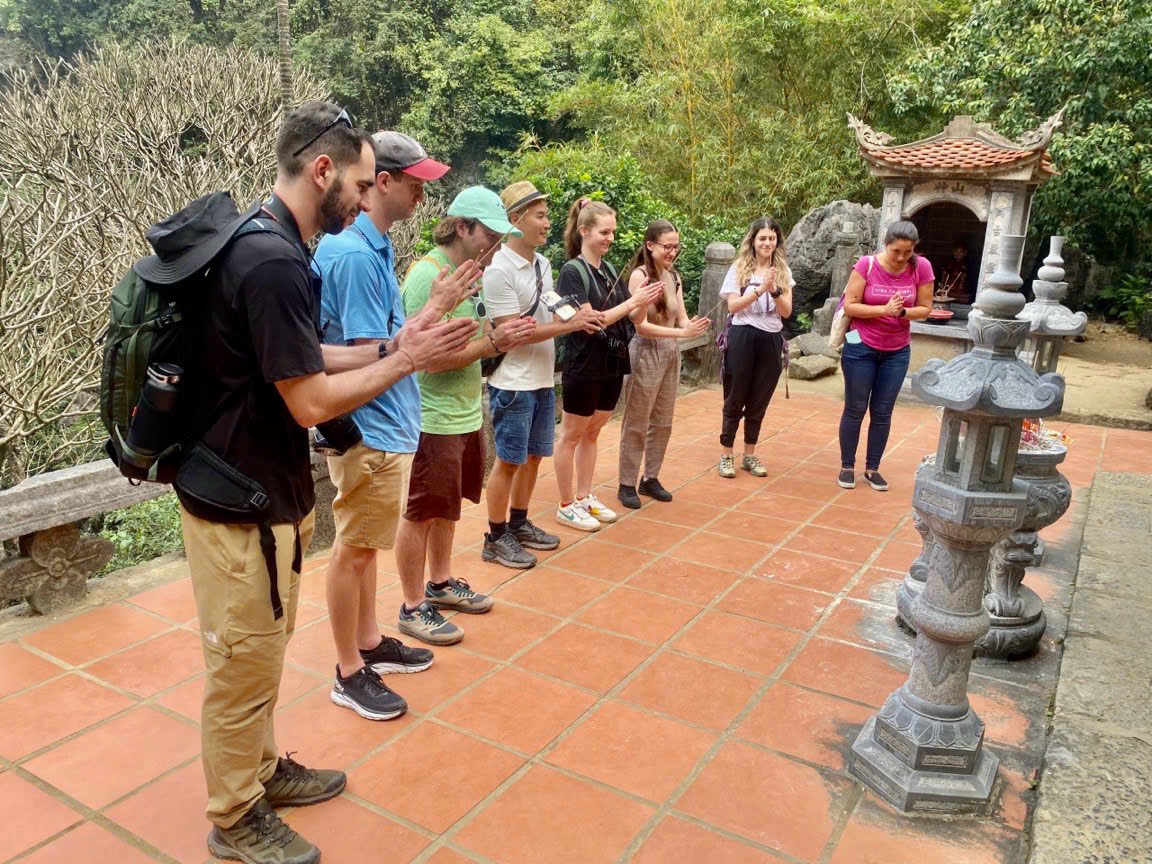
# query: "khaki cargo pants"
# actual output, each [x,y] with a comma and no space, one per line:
[244,648]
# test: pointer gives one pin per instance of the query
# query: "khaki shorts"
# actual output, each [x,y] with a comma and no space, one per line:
[371,491]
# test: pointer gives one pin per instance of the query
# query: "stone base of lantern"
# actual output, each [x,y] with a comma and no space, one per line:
[1015,635]
[906,596]
[924,764]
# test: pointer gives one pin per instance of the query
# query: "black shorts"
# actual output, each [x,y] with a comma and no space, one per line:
[585,396]
[446,468]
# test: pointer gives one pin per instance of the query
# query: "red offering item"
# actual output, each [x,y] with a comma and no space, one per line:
[940,315]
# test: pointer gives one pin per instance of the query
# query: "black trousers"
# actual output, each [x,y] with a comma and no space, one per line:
[751,372]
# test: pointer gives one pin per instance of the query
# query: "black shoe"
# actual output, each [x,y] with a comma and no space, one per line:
[627,496]
[368,695]
[506,550]
[261,837]
[651,487]
[876,481]
[531,537]
[392,655]
[847,479]
[293,785]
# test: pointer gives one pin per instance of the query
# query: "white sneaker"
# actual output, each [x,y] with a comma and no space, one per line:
[575,516]
[597,509]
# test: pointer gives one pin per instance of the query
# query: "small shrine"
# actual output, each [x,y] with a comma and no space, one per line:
[963,188]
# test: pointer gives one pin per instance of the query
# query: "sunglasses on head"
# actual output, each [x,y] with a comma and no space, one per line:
[341,119]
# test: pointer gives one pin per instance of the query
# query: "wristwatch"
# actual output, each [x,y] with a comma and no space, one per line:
[775,294]
[903,312]
[383,350]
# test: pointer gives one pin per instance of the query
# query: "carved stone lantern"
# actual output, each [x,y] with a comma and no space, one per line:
[1049,321]
[924,750]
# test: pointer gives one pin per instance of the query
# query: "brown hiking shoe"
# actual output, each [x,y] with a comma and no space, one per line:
[293,785]
[261,837]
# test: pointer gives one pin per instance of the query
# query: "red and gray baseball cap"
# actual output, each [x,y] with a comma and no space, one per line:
[395,151]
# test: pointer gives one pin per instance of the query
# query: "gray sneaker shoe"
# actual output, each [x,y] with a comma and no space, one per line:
[506,550]
[752,465]
[293,785]
[458,595]
[727,468]
[531,537]
[261,837]
[428,625]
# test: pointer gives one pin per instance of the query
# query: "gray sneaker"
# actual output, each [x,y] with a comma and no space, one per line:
[458,595]
[531,537]
[506,550]
[428,625]
[261,837]
[293,785]
[727,469]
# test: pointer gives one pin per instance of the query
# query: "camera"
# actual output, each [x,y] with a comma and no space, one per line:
[564,308]
[337,436]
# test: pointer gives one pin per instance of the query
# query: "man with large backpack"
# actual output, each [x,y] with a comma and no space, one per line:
[245,488]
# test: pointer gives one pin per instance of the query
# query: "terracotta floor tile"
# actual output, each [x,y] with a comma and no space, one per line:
[549,817]
[684,580]
[644,532]
[692,690]
[20,668]
[721,491]
[768,798]
[878,586]
[598,661]
[818,487]
[174,601]
[91,635]
[323,734]
[348,833]
[738,641]
[89,842]
[677,841]
[842,545]
[876,835]
[777,604]
[866,624]
[777,504]
[846,670]
[123,754]
[30,815]
[451,672]
[753,526]
[686,510]
[802,723]
[719,550]
[817,572]
[519,709]
[898,556]
[607,561]
[154,665]
[869,522]
[45,714]
[633,751]
[552,591]
[505,630]
[423,778]
[169,814]
[648,617]
[447,856]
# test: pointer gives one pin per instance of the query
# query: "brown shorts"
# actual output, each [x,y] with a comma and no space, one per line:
[371,488]
[446,469]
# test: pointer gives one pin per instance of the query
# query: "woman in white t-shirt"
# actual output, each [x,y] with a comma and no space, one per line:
[758,288]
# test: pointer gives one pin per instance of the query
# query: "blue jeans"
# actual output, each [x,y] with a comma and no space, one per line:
[523,423]
[872,381]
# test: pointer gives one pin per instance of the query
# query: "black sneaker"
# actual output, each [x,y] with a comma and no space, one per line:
[506,550]
[293,785]
[261,837]
[368,695]
[392,655]
[531,537]
[627,496]
[651,487]
[876,481]
[847,479]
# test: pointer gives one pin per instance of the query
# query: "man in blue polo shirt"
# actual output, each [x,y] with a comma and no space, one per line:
[361,304]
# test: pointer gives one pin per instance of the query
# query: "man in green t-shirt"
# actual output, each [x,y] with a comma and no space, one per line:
[449,460]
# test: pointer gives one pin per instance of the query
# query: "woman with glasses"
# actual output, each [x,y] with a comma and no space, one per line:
[758,289]
[654,356]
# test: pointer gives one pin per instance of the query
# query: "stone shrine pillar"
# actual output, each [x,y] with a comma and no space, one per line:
[848,240]
[718,257]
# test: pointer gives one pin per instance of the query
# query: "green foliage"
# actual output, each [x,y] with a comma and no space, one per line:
[142,532]
[801,322]
[1016,62]
[1126,300]
[568,172]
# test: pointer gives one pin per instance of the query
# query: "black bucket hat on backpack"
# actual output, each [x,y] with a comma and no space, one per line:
[186,242]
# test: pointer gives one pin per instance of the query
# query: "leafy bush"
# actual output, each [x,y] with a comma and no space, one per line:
[141,532]
[1125,300]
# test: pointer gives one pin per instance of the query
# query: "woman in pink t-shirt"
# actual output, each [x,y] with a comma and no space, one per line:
[884,293]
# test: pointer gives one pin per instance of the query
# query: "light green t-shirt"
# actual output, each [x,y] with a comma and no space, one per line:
[449,401]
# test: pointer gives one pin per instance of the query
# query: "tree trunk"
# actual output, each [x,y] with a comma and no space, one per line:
[284,32]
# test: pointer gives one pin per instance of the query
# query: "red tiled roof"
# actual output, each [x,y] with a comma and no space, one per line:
[953,153]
